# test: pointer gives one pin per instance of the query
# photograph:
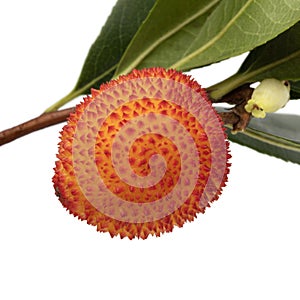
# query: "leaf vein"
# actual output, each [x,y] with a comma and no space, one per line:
[168,35]
[200,50]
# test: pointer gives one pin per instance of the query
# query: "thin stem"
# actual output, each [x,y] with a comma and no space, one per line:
[52,118]
[55,117]
[54,107]
[217,91]
[222,88]
[78,92]
[40,122]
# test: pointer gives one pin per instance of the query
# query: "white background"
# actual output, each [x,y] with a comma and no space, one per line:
[246,246]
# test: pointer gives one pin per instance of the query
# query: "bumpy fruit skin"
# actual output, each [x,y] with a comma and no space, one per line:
[268,97]
[71,194]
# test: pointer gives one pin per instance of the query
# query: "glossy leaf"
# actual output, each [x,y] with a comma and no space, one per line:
[233,27]
[277,135]
[279,58]
[167,32]
[295,90]
[238,26]
[105,53]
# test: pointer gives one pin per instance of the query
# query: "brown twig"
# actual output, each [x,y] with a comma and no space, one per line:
[237,116]
[236,96]
[40,122]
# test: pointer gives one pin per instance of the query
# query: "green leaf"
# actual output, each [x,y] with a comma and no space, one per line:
[206,34]
[279,58]
[277,135]
[238,26]
[105,53]
[168,30]
[295,90]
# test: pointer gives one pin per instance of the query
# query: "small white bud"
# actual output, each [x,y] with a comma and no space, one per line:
[268,97]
